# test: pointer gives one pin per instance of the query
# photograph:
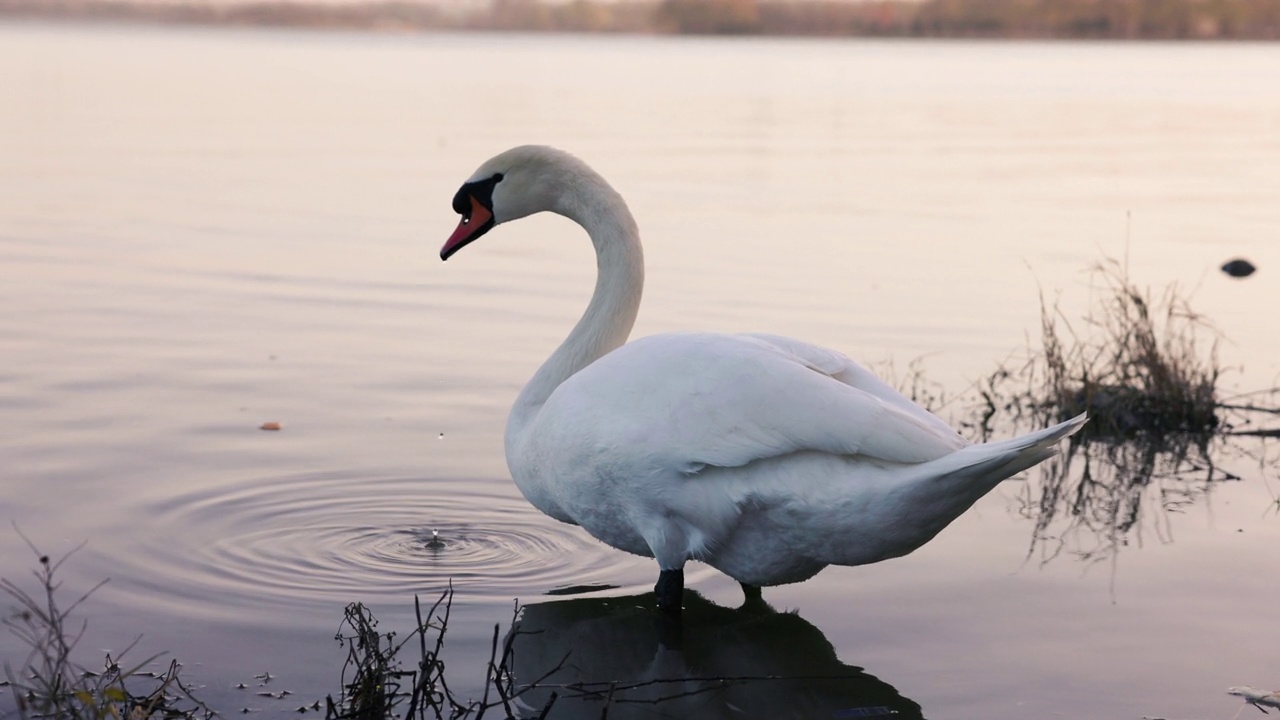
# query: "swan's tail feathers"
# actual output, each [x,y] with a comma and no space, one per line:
[1032,449]
[942,489]
[978,468]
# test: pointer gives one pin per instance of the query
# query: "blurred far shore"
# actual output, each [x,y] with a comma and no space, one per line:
[977,19]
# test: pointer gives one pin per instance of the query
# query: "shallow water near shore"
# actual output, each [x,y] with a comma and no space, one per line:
[204,231]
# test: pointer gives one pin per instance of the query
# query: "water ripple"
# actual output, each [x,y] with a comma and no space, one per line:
[337,538]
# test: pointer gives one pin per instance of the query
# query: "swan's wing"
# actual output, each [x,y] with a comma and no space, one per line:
[687,401]
[840,368]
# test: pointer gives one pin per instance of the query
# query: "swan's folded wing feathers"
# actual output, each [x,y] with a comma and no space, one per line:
[841,368]
[686,401]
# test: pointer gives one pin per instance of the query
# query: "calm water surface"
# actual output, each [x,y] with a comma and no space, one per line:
[204,231]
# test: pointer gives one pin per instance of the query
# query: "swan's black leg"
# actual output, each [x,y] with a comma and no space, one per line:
[753,599]
[670,591]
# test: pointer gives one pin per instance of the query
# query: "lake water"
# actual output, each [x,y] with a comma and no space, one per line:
[202,231]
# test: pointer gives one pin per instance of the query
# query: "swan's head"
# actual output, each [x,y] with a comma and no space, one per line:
[519,182]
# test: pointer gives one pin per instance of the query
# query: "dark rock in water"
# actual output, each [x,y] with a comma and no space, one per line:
[1119,411]
[1239,268]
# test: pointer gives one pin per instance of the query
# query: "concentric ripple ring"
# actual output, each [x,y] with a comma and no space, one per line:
[333,538]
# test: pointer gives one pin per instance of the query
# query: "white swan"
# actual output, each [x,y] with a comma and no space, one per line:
[762,456]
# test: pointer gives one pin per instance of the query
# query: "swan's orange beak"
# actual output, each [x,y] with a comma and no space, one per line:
[474,224]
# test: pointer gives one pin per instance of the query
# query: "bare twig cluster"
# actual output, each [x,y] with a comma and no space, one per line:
[379,686]
[1145,369]
[51,685]
[1140,366]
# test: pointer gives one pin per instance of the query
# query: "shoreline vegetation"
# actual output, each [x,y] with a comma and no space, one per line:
[390,675]
[961,19]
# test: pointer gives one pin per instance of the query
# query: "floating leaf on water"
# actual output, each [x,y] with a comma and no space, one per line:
[270,426]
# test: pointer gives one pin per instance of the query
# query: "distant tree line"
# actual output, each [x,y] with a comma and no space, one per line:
[1068,19]
[376,15]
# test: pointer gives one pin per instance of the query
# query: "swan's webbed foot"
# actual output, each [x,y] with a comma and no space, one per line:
[670,591]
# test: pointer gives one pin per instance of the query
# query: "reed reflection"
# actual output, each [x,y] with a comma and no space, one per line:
[1144,367]
[612,655]
[1089,502]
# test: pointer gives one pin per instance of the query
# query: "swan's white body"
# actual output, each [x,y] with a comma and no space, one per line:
[765,457]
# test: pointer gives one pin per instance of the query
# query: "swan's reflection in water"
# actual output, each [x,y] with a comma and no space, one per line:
[725,663]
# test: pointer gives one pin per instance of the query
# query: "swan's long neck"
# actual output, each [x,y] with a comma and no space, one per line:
[589,201]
